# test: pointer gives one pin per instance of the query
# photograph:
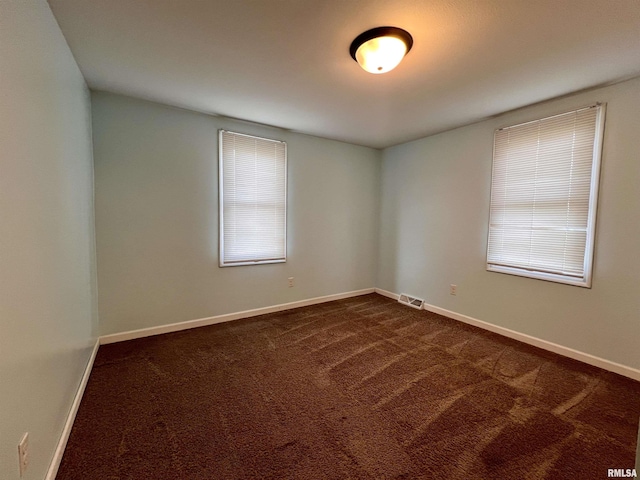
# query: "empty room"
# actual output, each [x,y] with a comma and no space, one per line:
[330,239]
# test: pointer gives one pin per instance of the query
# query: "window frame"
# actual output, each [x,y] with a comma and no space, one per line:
[589,252]
[221,261]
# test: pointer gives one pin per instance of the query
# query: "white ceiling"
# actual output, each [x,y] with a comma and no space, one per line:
[286,63]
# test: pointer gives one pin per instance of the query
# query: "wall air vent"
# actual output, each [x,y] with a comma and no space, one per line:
[411,301]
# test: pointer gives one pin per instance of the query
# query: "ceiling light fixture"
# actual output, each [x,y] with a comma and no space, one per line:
[381,49]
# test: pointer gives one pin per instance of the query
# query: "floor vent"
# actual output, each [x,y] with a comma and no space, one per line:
[411,301]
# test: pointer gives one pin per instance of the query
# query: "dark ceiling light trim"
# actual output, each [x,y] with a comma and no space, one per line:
[380,32]
[383,35]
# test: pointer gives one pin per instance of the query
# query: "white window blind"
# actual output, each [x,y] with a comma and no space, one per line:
[543,197]
[253,199]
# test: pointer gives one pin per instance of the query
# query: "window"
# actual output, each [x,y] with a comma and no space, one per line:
[253,200]
[543,197]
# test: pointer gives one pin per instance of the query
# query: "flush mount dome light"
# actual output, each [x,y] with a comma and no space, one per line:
[381,49]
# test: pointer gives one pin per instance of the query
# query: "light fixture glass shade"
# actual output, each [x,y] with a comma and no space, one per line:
[381,49]
[381,54]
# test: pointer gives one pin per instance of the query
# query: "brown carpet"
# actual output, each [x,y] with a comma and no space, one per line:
[362,388]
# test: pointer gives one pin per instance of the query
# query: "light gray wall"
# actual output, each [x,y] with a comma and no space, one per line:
[157,218]
[433,233]
[47,259]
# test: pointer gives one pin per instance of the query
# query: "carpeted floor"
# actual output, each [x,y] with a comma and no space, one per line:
[362,388]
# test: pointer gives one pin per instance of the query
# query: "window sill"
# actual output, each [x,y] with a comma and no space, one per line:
[549,277]
[252,262]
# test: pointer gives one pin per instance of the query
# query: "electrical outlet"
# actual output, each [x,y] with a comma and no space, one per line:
[23,454]
[453,289]
[290,282]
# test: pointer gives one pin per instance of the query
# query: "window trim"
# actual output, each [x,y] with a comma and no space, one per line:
[221,262]
[589,253]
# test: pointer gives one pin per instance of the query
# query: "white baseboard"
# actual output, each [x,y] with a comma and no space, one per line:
[528,339]
[202,322]
[68,424]
[387,293]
